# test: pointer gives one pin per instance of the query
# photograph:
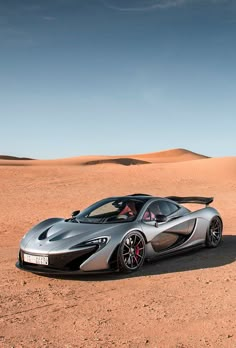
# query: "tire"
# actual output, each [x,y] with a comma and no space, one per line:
[214,233]
[131,252]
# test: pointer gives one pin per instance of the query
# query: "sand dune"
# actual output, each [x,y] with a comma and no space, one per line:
[174,155]
[123,161]
[169,156]
[14,158]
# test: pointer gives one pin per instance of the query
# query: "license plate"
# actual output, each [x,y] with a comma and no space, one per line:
[38,260]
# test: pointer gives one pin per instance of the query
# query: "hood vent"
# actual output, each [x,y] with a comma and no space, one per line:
[43,235]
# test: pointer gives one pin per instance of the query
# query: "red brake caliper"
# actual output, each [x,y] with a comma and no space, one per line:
[137,250]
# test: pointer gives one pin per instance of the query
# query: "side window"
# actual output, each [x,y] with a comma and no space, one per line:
[172,207]
[167,208]
[151,212]
[147,215]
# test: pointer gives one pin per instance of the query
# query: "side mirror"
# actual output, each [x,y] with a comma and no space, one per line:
[74,213]
[161,218]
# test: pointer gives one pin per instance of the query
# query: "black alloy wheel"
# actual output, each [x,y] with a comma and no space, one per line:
[214,233]
[131,252]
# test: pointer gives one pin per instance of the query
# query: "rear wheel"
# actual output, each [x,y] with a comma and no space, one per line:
[131,252]
[214,233]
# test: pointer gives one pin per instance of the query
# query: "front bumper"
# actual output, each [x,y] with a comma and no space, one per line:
[64,263]
[58,272]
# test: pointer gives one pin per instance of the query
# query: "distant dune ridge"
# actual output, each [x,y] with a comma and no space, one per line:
[123,161]
[168,156]
[173,155]
[12,158]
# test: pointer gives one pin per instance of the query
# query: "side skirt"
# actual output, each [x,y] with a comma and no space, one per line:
[176,252]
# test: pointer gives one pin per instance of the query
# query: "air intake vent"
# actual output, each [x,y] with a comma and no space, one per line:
[43,235]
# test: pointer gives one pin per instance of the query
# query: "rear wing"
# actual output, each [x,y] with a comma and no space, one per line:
[197,200]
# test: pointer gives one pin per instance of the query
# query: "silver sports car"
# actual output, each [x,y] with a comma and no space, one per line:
[119,233]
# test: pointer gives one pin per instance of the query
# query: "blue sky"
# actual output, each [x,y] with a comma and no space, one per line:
[109,77]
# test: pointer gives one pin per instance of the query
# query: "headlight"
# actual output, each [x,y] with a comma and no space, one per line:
[100,242]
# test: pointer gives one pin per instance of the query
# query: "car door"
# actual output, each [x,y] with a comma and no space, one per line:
[165,235]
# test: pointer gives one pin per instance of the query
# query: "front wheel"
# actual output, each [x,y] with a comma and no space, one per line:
[214,233]
[131,252]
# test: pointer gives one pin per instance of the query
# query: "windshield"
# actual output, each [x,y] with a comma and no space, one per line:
[112,210]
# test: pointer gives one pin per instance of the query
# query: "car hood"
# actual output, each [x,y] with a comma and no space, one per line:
[58,236]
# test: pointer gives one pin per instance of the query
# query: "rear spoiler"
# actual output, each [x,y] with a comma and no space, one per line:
[197,200]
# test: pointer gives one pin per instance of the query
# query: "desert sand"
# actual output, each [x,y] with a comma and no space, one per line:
[181,302]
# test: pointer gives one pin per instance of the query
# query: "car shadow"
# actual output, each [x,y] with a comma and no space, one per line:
[192,260]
